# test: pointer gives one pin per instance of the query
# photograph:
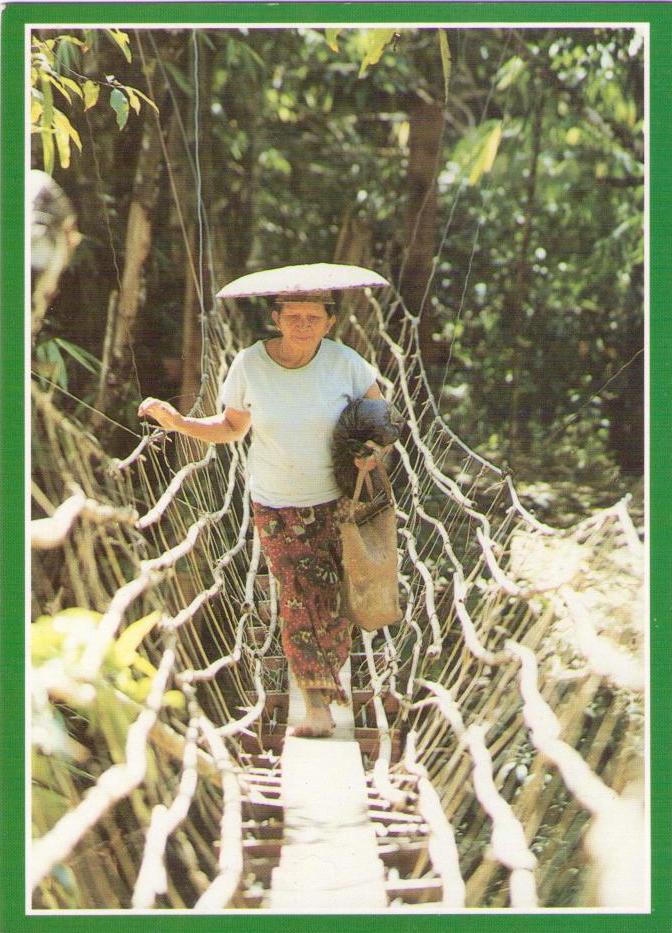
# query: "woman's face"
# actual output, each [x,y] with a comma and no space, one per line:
[303,323]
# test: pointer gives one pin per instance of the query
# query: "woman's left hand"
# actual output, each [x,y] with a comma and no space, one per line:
[366,463]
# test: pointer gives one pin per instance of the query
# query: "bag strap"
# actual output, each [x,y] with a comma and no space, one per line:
[364,476]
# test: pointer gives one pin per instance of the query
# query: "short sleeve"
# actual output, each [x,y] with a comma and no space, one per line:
[233,388]
[364,375]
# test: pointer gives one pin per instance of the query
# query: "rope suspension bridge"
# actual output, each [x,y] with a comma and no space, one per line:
[492,751]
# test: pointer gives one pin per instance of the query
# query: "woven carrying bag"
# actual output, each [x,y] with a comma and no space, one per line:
[370,574]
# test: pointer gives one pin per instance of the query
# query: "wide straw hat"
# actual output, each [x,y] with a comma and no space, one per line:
[311,278]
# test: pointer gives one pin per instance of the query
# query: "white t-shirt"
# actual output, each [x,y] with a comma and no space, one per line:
[294,413]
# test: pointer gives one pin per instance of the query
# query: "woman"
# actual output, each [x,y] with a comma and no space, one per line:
[290,390]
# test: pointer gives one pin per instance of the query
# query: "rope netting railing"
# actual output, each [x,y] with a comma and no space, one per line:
[518,670]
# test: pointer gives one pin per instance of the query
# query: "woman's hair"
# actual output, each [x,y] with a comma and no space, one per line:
[325,298]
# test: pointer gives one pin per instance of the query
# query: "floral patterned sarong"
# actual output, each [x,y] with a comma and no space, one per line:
[302,547]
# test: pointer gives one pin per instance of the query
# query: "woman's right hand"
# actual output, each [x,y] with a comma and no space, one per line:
[163,412]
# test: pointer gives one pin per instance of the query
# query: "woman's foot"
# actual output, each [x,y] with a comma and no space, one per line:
[318,722]
[308,730]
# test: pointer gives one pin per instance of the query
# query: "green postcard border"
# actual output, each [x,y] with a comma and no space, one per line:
[12,378]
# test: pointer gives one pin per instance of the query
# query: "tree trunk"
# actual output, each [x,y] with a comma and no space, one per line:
[197,303]
[353,247]
[516,299]
[118,361]
[426,132]
[191,326]
[117,370]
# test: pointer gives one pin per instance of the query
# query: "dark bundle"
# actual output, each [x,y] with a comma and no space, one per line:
[362,420]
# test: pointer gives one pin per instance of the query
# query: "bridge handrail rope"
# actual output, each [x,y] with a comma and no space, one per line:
[508,837]
[381,768]
[230,866]
[47,533]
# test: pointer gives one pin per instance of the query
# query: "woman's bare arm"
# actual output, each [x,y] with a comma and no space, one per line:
[225,428]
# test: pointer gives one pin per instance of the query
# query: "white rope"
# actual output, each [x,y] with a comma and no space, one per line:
[442,845]
[381,768]
[545,729]
[603,657]
[224,886]
[47,533]
[434,649]
[152,879]
[155,513]
[509,845]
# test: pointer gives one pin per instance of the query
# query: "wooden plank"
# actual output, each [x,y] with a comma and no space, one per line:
[329,860]
[278,702]
[416,890]
[400,831]
[262,848]
[404,858]
[395,816]
[368,739]
[262,869]
[261,811]
[263,829]
[260,761]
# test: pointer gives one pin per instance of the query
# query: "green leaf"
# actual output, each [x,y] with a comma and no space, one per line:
[133,98]
[446,63]
[62,138]
[174,699]
[47,121]
[63,125]
[74,87]
[491,147]
[137,690]
[45,640]
[180,79]
[125,648]
[43,53]
[510,71]
[79,354]
[330,36]
[403,133]
[91,40]
[143,666]
[113,719]
[35,110]
[475,153]
[59,86]
[147,100]
[49,806]
[91,93]
[72,39]
[274,160]
[119,103]
[121,39]
[375,41]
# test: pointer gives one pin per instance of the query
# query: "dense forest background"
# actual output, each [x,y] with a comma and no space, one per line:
[496,176]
